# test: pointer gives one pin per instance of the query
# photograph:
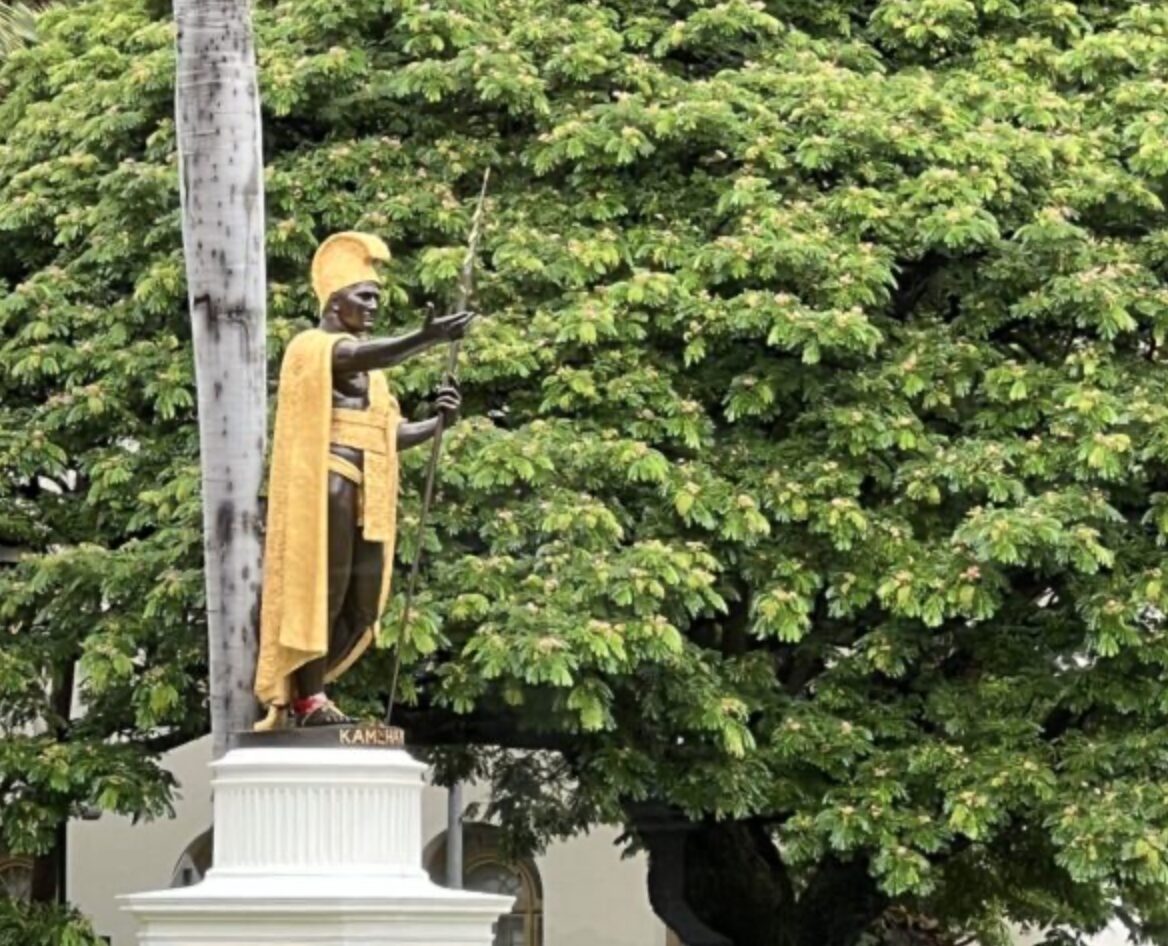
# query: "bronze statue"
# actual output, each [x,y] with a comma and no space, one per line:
[333,487]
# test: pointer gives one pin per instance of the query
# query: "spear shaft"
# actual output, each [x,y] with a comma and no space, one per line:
[465,290]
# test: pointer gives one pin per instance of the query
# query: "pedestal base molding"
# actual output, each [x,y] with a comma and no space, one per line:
[316,846]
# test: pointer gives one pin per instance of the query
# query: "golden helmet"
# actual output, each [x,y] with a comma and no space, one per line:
[345,259]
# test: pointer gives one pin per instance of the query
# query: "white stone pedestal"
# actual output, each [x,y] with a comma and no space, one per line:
[316,846]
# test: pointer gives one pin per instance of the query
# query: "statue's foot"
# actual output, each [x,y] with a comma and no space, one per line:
[322,713]
[276,718]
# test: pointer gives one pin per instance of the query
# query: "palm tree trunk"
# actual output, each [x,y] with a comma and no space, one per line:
[222,187]
[17,27]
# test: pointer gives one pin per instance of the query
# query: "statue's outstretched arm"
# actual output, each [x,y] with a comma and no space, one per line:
[357,355]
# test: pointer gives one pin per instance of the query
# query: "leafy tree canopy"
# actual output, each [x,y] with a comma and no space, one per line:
[813,476]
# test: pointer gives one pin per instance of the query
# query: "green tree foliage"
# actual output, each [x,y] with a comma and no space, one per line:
[40,925]
[813,477]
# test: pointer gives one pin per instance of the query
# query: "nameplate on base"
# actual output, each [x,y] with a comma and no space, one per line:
[371,736]
[368,735]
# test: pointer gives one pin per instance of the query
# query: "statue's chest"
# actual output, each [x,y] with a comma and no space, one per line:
[351,390]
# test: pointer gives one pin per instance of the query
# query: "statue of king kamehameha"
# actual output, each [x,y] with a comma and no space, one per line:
[332,491]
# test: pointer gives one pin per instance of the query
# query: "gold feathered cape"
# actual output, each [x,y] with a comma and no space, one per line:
[294,614]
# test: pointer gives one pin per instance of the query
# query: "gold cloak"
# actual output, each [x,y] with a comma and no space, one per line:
[294,614]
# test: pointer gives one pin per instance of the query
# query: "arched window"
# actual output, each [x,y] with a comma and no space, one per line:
[195,861]
[485,869]
[16,878]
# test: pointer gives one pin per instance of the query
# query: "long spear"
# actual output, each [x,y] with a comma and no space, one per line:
[465,290]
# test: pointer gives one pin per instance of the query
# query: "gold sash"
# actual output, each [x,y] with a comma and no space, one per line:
[369,431]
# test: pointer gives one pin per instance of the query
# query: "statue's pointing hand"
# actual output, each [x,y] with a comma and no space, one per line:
[447,328]
[447,403]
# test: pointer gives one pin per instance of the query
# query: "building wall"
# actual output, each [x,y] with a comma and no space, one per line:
[112,856]
[591,896]
[1114,935]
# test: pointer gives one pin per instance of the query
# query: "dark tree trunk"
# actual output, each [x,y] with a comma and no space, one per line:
[48,870]
[839,904]
[714,883]
[723,883]
[44,877]
[736,882]
[665,836]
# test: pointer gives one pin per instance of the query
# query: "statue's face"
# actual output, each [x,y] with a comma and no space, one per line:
[354,308]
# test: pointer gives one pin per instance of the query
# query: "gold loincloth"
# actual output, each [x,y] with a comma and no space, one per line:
[349,471]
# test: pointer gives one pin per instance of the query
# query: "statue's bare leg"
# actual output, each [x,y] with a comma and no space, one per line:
[342,531]
[360,610]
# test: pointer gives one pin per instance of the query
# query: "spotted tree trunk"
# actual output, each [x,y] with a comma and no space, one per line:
[221,179]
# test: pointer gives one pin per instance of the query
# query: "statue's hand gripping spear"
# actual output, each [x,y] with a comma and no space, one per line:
[465,292]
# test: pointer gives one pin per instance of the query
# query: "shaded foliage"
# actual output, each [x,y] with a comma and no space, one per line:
[24,924]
